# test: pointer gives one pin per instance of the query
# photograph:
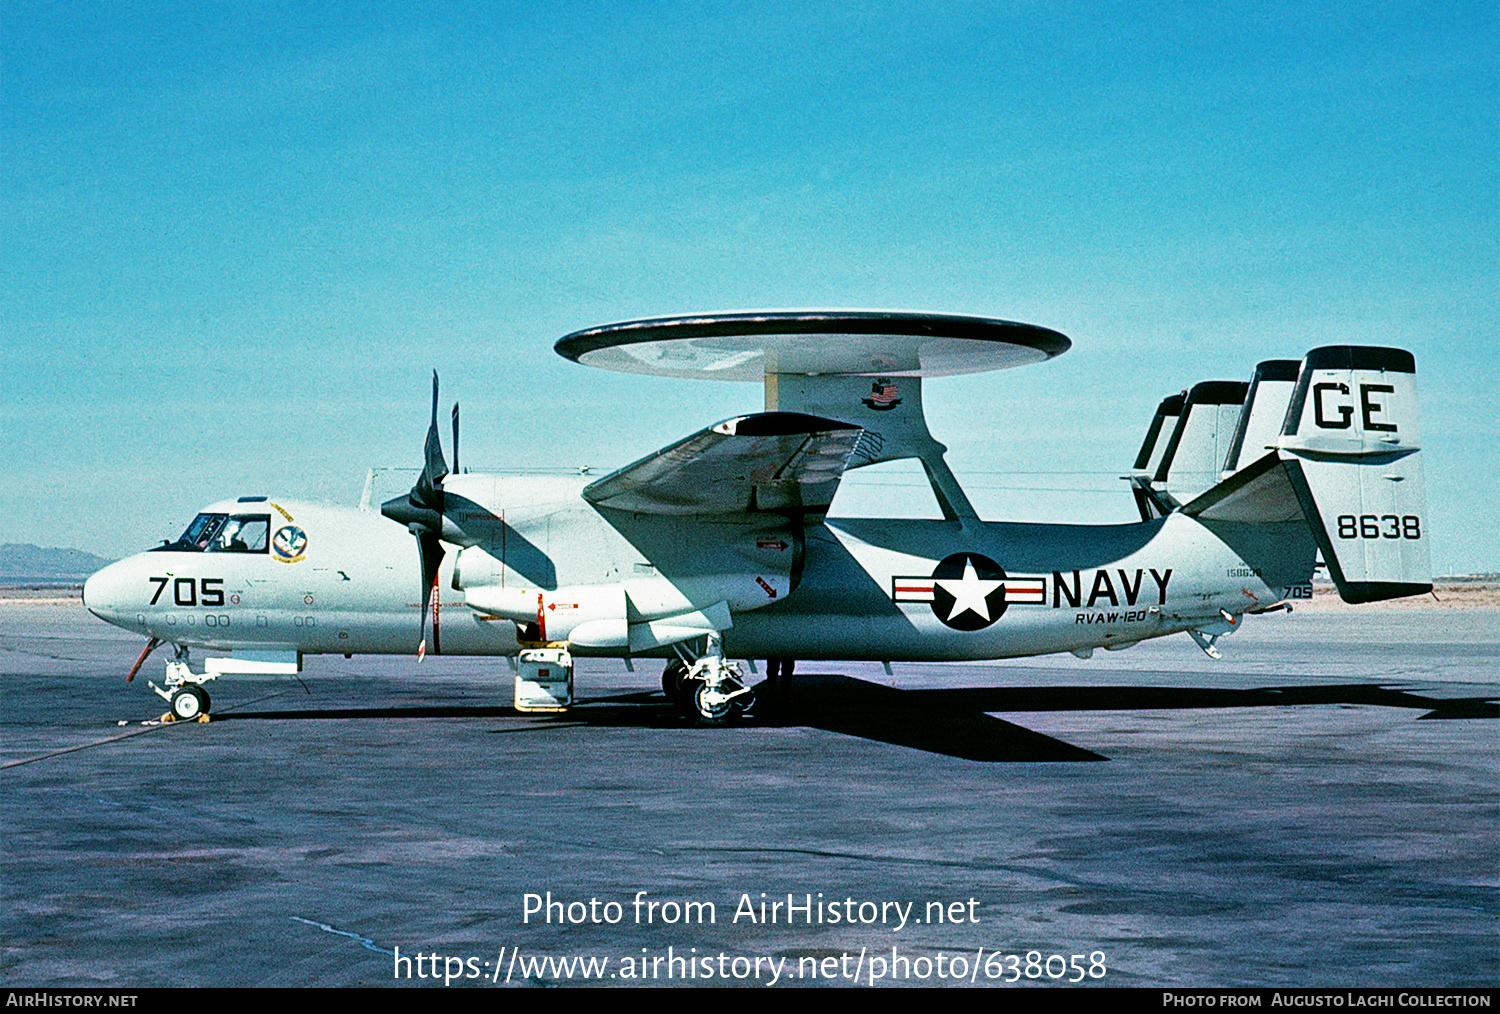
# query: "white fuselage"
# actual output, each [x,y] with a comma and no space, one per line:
[347,582]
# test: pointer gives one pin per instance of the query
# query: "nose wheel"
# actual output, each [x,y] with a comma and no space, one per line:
[721,704]
[190,704]
[183,691]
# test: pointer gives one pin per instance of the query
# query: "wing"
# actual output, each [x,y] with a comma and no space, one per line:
[771,462]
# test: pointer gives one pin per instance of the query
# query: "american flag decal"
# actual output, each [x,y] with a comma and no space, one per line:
[883,395]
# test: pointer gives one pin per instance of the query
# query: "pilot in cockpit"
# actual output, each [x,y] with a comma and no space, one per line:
[229,537]
[220,533]
[244,534]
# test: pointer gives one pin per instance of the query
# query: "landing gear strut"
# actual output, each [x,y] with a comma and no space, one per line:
[183,690]
[712,687]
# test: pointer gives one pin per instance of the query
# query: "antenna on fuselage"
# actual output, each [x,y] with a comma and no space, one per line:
[368,494]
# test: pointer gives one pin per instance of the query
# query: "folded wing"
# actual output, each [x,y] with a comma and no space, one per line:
[771,462]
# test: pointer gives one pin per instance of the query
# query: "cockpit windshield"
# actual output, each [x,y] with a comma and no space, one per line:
[224,533]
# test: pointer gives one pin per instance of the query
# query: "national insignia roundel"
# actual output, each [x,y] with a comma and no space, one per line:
[968,591]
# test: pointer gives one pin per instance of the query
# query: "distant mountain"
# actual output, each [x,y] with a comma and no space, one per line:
[21,564]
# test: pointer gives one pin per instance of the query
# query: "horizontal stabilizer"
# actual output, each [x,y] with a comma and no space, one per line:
[783,462]
[1260,493]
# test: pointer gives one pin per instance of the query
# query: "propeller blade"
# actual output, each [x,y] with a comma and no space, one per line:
[427,492]
[421,511]
[430,549]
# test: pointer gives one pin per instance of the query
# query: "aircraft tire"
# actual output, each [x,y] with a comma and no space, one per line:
[677,687]
[714,711]
[189,703]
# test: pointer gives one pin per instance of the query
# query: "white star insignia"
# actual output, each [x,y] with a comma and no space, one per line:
[969,593]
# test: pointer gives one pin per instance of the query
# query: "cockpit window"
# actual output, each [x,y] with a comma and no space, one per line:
[224,533]
[242,533]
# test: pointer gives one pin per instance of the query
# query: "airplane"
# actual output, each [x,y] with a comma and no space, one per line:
[720,546]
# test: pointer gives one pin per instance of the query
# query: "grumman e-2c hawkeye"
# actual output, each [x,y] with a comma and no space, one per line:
[719,546]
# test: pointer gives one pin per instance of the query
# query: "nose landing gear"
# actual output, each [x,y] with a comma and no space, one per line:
[183,691]
[190,704]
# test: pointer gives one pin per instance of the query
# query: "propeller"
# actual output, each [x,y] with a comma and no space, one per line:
[421,510]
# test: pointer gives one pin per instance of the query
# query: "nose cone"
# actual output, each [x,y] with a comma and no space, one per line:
[101,592]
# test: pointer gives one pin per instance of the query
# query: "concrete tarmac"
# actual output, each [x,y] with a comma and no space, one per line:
[1318,809]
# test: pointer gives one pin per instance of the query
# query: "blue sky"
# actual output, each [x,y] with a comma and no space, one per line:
[235,239]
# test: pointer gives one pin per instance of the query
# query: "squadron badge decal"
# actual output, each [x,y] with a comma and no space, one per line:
[966,591]
[289,544]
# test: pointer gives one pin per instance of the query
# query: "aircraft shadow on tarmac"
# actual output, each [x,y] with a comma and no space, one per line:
[953,722]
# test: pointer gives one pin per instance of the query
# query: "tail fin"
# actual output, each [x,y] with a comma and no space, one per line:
[1348,462]
[1185,448]
[1264,412]
[1148,499]
[1200,442]
[1352,448]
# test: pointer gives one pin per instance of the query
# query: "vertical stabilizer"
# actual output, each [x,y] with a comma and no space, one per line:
[1263,413]
[1351,445]
[1148,500]
[1159,432]
[1195,453]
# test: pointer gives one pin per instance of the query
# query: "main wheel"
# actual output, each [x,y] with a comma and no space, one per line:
[717,708]
[189,702]
[676,685]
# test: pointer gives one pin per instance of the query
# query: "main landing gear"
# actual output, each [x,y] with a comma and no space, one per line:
[711,687]
[183,691]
